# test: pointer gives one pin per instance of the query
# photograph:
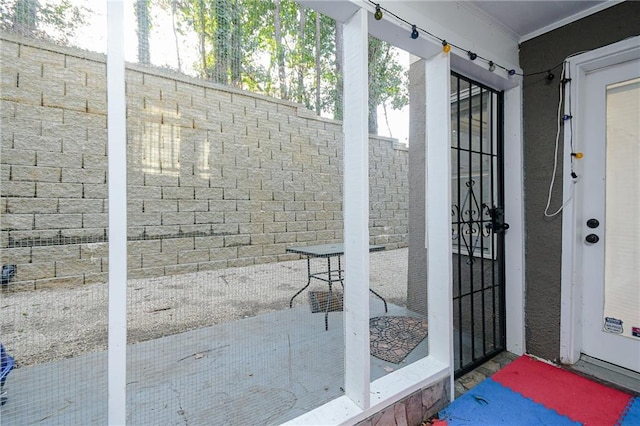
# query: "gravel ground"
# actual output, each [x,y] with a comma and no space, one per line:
[49,324]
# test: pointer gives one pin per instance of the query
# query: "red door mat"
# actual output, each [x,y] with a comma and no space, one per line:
[530,392]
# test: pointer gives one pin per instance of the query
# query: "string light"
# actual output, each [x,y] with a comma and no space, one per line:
[414,32]
[446,46]
[378,14]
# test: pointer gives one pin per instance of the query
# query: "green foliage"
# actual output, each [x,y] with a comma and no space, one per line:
[274,47]
[54,21]
[388,81]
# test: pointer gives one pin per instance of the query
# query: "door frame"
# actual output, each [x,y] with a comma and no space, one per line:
[572,247]
[494,258]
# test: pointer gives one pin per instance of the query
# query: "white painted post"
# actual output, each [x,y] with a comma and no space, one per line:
[438,208]
[117,174]
[356,209]
[514,215]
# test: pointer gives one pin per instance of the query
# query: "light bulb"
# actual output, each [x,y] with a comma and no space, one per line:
[414,32]
[492,66]
[446,47]
[378,14]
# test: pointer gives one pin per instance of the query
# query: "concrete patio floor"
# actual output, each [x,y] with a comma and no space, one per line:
[265,368]
[261,370]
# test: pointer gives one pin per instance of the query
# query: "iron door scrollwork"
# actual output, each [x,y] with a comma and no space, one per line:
[467,223]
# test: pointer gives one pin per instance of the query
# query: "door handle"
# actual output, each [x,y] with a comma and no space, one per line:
[497,225]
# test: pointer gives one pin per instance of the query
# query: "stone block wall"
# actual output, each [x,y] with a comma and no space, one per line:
[415,409]
[217,177]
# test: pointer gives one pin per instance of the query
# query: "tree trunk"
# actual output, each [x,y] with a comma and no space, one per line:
[386,118]
[339,95]
[175,32]
[302,23]
[25,17]
[144,26]
[222,41]
[279,49]
[236,46]
[318,64]
[375,63]
[203,41]
[373,119]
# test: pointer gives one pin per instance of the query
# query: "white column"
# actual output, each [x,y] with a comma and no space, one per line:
[356,209]
[438,208]
[117,176]
[514,215]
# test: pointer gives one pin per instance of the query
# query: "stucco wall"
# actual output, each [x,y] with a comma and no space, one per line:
[217,177]
[543,235]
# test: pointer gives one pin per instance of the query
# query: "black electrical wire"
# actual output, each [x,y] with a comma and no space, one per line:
[469,53]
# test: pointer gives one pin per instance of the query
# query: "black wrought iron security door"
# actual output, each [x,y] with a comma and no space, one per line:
[478,225]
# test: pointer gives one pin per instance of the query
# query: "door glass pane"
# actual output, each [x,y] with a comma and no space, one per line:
[622,246]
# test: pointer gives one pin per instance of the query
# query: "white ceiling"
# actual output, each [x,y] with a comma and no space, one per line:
[525,19]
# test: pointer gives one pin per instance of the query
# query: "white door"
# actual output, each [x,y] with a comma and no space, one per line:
[609,213]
